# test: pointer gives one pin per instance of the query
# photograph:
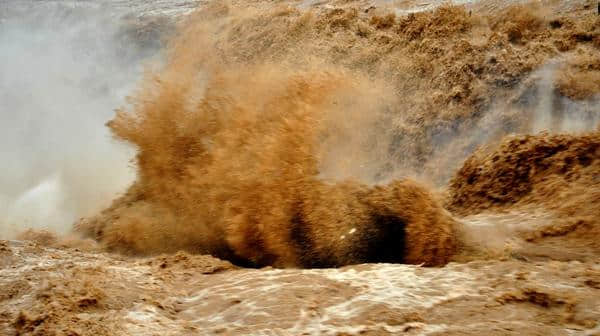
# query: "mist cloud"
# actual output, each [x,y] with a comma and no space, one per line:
[64,70]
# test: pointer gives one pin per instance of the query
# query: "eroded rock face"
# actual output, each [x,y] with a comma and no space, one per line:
[48,291]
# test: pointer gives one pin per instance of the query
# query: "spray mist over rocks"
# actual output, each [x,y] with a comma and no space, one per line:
[65,68]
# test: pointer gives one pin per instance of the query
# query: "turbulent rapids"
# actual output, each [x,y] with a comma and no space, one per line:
[310,135]
[254,152]
[234,172]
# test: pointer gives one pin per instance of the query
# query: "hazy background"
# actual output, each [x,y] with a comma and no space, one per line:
[64,68]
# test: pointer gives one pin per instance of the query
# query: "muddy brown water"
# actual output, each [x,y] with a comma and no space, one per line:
[527,263]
